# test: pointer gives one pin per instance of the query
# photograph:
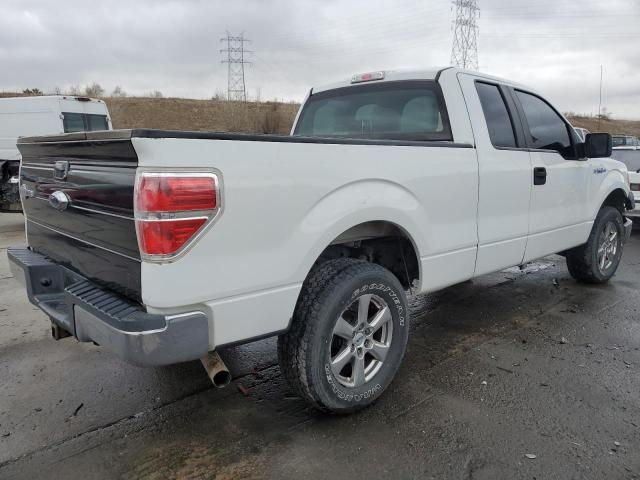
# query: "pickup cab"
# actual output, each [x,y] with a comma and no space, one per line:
[40,115]
[166,246]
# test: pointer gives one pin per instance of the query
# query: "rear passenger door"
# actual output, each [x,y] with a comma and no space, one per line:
[559,216]
[505,174]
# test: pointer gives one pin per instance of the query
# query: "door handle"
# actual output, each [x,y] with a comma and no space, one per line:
[539,176]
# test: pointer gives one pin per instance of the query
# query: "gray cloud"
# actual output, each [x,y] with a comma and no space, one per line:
[173,46]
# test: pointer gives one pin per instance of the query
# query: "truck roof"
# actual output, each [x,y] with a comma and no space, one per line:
[406,74]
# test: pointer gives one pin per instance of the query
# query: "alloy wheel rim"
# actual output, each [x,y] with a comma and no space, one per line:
[608,247]
[360,341]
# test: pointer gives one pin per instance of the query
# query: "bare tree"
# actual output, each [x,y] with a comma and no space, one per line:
[32,91]
[220,95]
[118,92]
[605,114]
[94,90]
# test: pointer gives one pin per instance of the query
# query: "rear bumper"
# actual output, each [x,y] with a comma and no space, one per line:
[93,314]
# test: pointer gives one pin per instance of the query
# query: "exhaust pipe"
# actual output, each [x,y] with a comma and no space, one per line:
[216,369]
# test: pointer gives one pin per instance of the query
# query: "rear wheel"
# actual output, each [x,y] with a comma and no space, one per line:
[348,335]
[597,260]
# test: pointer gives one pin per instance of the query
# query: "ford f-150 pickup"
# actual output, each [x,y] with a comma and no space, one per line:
[167,246]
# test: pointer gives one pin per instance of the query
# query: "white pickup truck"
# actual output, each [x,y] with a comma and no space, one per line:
[165,246]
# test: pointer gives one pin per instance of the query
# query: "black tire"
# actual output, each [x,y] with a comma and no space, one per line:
[305,352]
[583,261]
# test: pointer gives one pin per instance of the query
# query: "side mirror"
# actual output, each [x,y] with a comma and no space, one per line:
[598,145]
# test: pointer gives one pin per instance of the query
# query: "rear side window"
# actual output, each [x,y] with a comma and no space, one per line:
[547,129]
[96,122]
[496,115]
[84,122]
[407,110]
[73,122]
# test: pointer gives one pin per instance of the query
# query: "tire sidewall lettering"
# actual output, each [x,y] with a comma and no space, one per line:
[345,396]
[372,288]
[389,294]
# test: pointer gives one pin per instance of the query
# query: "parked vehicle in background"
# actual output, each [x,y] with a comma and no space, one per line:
[163,246]
[631,158]
[42,115]
[625,142]
[582,133]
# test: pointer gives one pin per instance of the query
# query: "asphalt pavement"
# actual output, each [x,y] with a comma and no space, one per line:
[519,374]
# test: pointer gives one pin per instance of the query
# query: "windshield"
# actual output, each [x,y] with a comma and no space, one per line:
[84,122]
[406,110]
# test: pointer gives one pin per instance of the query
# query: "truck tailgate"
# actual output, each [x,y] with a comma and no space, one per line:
[92,229]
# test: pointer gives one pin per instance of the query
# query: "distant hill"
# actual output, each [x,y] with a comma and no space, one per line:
[199,115]
[631,127]
[252,117]
[271,117]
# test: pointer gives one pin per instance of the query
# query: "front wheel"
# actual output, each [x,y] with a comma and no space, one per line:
[348,335]
[597,260]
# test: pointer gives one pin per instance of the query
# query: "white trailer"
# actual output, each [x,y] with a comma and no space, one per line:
[43,115]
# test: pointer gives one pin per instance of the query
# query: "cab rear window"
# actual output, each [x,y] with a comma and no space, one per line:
[404,110]
[84,122]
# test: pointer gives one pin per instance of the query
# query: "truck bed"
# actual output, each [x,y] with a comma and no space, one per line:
[128,134]
[260,227]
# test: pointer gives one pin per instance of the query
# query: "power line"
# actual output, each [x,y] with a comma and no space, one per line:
[236,86]
[464,52]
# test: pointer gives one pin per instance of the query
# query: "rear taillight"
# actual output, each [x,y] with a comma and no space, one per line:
[171,209]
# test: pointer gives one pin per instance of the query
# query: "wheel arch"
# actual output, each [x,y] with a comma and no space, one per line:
[613,190]
[381,241]
[618,199]
[360,213]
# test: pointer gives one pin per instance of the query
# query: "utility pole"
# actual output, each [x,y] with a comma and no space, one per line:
[600,101]
[464,52]
[236,53]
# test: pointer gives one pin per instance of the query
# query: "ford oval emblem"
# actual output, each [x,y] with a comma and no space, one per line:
[59,200]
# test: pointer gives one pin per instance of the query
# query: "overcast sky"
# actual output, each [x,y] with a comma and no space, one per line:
[557,47]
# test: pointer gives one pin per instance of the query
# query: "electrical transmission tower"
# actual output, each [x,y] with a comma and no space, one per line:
[464,53]
[236,88]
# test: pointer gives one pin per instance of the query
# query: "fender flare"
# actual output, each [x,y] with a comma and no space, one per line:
[613,182]
[356,203]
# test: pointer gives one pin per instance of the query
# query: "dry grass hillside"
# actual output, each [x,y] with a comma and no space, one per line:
[272,117]
[631,127]
[213,115]
[267,117]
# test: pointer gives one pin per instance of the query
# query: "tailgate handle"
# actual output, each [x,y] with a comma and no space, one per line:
[60,170]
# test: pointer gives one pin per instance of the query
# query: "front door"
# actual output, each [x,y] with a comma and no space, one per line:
[559,213]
